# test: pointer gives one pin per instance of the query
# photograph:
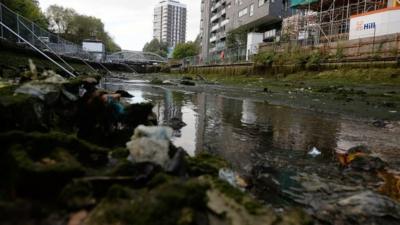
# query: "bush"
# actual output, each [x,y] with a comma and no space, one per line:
[264,58]
[315,59]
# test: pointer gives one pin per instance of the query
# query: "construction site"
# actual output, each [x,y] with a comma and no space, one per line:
[322,21]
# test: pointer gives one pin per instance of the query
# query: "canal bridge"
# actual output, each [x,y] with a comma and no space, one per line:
[135,58]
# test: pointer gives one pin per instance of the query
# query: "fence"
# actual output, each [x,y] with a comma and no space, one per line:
[225,56]
[36,35]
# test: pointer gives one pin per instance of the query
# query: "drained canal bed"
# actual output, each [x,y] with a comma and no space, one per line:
[290,156]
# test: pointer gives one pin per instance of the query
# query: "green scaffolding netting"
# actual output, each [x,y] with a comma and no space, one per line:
[296,3]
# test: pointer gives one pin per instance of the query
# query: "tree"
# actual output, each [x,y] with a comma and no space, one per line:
[236,38]
[27,8]
[60,18]
[76,27]
[157,47]
[184,50]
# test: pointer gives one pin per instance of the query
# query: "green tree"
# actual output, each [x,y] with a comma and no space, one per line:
[157,47]
[76,28]
[27,8]
[236,38]
[184,50]
[60,18]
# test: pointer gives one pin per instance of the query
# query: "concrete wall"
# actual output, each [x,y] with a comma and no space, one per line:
[387,46]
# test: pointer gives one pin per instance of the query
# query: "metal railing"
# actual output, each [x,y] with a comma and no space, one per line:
[40,37]
[223,56]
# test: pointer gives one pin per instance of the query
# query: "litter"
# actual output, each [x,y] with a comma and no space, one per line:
[314,152]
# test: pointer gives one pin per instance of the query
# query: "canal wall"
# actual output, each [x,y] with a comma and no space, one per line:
[363,49]
[286,58]
[251,69]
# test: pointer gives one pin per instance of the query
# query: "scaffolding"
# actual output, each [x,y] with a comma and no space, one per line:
[326,21]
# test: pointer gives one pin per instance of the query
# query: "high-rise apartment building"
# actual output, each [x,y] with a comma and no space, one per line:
[218,17]
[170,22]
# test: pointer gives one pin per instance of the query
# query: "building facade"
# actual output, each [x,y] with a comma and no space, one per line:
[169,24]
[221,16]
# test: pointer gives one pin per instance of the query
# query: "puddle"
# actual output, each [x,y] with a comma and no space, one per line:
[248,133]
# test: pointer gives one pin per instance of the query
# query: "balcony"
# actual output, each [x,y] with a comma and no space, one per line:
[215,27]
[223,23]
[213,38]
[216,6]
[215,17]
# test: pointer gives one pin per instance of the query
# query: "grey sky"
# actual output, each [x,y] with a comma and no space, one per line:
[130,22]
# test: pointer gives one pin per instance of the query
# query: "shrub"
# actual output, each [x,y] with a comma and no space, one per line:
[264,58]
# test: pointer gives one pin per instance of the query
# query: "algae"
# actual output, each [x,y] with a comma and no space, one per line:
[204,163]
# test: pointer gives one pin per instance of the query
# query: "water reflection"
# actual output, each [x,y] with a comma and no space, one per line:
[244,131]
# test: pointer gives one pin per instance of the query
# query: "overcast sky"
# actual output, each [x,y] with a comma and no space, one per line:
[130,22]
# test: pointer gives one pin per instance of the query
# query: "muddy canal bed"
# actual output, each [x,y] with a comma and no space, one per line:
[271,146]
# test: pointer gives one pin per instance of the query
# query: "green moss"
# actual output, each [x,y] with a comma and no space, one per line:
[119,153]
[229,190]
[170,203]
[77,195]
[8,90]
[251,205]
[159,179]
[204,164]
[119,192]
[86,153]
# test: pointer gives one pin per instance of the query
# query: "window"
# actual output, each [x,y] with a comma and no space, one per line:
[251,9]
[242,12]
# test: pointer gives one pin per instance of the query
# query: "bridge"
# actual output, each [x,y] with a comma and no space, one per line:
[135,57]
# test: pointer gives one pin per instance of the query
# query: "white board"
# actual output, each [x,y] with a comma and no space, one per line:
[378,23]
[93,46]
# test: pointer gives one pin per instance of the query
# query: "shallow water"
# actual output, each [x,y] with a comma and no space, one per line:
[248,132]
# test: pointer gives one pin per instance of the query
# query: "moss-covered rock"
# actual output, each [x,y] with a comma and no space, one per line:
[21,112]
[40,165]
[174,202]
[205,163]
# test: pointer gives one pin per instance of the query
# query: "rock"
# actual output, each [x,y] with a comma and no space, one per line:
[205,164]
[176,123]
[266,90]
[124,94]
[267,186]
[365,207]
[177,164]
[167,82]
[367,163]
[156,81]
[150,144]
[379,123]
[188,83]
[55,79]
[78,218]
[172,202]
[49,93]
[140,173]
[187,78]
[358,149]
